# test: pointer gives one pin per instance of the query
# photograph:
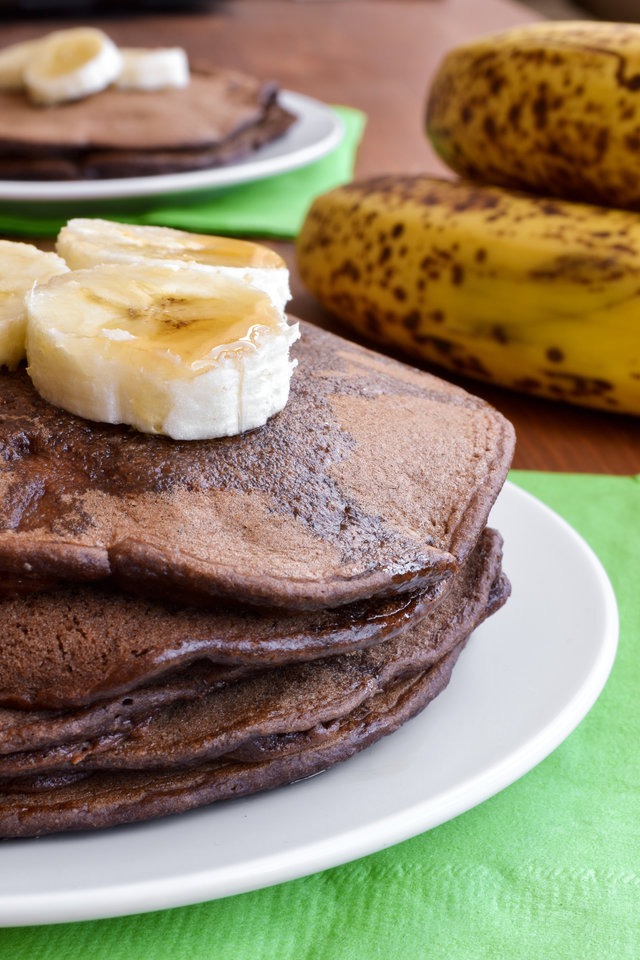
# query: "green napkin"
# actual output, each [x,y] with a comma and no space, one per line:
[548,868]
[274,207]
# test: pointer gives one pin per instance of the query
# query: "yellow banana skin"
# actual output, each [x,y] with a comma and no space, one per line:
[552,107]
[539,295]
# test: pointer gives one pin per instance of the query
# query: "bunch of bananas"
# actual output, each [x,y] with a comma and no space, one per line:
[522,289]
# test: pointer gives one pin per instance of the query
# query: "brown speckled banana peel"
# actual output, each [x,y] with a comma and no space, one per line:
[539,295]
[551,107]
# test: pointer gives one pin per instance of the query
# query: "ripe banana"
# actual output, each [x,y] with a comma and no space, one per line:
[535,294]
[167,348]
[550,107]
[21,265]
[153,69]
[70,64]
[89,242]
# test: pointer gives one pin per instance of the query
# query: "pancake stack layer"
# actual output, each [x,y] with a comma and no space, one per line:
[219,118]
[189,621]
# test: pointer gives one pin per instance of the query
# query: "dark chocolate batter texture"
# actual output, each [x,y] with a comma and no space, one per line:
[318,578]
[219,118]
[375,479]
[73,646]
[110,798]
[253,734]
[223,698]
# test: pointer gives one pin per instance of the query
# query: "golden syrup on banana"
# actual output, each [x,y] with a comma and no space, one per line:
[64,58]
[171,349]
[219,252]
[195,332]
[166,243]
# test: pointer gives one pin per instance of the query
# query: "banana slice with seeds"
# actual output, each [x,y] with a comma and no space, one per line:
[161,68]
[21,265]
[87,242]
[167,348]
[70,64]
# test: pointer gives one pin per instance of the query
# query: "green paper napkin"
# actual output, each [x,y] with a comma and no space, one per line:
[274,207]
[548,868]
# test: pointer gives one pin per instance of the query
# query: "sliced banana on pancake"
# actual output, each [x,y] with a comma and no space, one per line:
[174,349]
[13,62]
[153,69]
[70,64]
[21,265]
[87,242]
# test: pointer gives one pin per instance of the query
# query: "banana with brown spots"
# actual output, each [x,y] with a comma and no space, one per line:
[552,107]
[535,294]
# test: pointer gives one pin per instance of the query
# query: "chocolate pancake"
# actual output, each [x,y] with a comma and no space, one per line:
[27,729]
[287,700]
[39,806]
[220,117]
[74,646]
[273,746]
[375,479]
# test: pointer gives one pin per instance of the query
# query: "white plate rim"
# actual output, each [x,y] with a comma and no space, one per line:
[126,898]
[317,131]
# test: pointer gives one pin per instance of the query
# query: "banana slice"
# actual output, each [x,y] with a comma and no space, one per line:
[167,348]
[13,62]
[88,242]
[153,69]
[21,265]
[70,64]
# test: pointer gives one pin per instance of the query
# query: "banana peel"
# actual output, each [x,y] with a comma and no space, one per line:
[549,107]
[536,294]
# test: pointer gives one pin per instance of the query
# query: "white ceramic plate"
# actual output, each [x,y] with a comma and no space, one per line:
[317,131]
[502,713]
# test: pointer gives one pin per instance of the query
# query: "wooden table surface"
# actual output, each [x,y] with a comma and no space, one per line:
[377,55]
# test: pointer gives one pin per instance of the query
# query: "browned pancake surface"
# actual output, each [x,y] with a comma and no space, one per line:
[375,479]
[109,798]
[100,164]
[217,104]
[73,646]
[287,700]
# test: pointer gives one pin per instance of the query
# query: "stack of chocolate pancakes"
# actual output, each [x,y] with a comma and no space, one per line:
[189,621]
[219,118]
